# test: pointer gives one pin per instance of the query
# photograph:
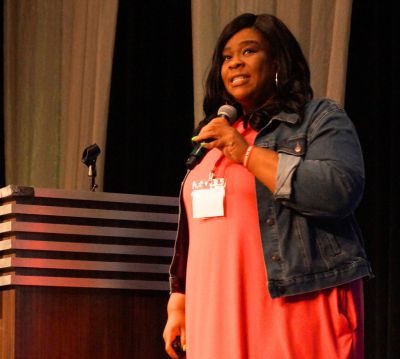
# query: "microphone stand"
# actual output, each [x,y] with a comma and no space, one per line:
[92,173]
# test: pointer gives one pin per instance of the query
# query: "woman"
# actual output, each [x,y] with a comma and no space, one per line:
[268,258]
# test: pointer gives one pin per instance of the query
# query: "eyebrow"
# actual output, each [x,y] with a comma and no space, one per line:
[244,42]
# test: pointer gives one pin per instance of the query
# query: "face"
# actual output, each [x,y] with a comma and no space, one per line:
[248,71]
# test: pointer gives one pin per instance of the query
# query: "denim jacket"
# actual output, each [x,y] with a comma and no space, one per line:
[310,237]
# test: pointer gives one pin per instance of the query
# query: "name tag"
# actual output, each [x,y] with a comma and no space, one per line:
[208,198]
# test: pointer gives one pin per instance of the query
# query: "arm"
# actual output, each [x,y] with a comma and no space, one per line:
[263,163]
[327,181]
[176,323]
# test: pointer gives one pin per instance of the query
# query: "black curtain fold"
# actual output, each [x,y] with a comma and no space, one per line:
[151,100]
[372,97]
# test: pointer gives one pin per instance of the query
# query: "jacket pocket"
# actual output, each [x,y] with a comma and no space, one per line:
[329,245]
[295,146]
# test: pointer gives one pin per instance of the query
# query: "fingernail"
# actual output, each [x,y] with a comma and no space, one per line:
[194,138]
[184,347]
[202,144]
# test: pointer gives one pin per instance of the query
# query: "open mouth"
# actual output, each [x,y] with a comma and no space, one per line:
[237,80]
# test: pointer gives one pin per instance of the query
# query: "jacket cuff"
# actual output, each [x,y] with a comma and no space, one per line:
[287,166]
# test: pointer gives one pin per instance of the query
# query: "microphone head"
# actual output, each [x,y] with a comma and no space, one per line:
[228,111]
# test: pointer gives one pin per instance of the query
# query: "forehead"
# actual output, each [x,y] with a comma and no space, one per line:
[243,37]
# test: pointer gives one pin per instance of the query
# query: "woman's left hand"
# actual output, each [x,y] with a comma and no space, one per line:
[220,134]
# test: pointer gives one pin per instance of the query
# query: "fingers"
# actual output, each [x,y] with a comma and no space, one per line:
[218,133]
[183,339]
[172,349]
[213,130]
[168,348]
[169,337]
[211,144]
[175,327]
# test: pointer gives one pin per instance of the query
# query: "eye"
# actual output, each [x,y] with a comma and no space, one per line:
[226,57]
[249,50]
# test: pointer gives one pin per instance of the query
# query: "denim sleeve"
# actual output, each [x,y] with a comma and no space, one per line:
[287,166]
[328,180]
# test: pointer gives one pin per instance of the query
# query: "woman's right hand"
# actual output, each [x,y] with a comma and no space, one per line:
[175,324]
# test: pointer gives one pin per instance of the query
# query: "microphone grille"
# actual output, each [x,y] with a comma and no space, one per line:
[228,111]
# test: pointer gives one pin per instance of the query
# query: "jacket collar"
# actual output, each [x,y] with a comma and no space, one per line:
[287,117]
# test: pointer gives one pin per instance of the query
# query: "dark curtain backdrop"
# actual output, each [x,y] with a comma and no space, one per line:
[372,101]
[151,101]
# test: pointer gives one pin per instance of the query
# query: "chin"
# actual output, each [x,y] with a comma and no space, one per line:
[243,101]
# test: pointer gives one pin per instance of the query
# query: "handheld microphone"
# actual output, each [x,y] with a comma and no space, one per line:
[195,157]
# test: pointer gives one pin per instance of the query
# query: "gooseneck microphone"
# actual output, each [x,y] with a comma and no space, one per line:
[195,157]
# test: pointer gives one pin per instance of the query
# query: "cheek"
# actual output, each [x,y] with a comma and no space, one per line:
[266,77]
[224,76]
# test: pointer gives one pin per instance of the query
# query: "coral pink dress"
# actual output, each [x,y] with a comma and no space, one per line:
[229,312]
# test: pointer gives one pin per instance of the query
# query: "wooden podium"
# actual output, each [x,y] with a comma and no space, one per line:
[83,274]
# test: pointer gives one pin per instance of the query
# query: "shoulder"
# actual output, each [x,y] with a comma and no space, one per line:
[322,106]
[321,110]
[326,115]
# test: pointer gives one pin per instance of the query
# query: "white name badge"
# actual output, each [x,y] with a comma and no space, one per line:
[208,198]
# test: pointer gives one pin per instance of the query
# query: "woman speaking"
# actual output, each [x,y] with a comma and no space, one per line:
[269,260]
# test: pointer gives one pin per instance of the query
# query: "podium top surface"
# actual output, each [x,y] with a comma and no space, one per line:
[12,191]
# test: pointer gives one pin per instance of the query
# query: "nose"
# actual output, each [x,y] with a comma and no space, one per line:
[235,62]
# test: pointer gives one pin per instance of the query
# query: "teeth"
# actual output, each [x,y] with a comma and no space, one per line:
[238,78]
